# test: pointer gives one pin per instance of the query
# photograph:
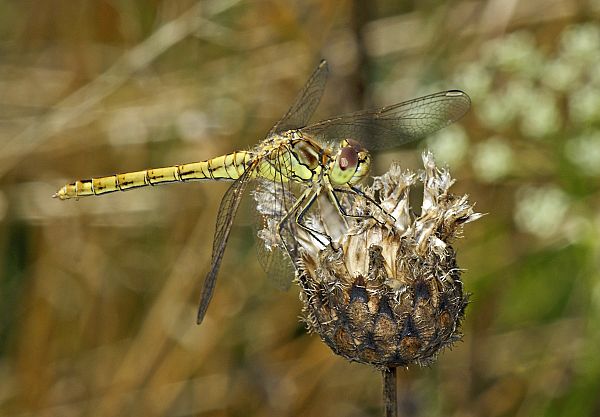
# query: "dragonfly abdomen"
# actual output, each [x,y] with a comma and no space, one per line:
[226,167]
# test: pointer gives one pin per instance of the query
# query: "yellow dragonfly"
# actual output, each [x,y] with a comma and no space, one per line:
[323,158]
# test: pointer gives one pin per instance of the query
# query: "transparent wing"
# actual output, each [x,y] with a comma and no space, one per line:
[271,207]
[306,101]
[227,209]
[274,200]
[394,125]
[277,265]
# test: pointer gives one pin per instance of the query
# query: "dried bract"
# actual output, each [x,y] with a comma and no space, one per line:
[387,290]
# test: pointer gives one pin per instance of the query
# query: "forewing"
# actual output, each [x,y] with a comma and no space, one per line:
[306,101]
[227,209]
[394,125]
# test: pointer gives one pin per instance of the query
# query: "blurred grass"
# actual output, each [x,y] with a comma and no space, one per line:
[98,297]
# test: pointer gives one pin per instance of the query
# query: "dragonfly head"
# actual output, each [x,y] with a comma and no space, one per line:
[351,164]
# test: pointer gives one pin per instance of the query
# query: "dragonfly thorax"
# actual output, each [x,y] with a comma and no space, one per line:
[351,163]
[290,157]
[306,152]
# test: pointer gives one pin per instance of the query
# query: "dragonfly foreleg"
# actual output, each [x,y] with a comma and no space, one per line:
[338,205]
[354,190]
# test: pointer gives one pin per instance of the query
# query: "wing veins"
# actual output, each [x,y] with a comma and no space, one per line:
[396,124]
[305,103]
[226,215]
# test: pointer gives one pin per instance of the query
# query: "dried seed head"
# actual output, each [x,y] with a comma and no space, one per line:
[387,290]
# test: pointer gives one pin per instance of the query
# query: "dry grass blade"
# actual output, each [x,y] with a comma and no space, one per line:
[83,100]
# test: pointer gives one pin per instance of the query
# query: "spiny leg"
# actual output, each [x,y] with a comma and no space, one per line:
[303,209]
[299,209]
[338,205]
[354,190]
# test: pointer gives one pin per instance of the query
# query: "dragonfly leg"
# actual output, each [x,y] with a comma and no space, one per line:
[338,205]
[300,220]
[354,190]
[362,194]
[299,209]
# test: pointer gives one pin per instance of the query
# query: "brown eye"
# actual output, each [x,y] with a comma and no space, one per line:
[348,158]
[354,144]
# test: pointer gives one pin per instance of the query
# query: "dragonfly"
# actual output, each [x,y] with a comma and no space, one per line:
[322,158]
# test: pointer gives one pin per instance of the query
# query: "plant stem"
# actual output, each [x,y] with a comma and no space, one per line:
[390,398]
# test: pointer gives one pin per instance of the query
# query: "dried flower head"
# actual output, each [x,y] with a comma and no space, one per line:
[386,291]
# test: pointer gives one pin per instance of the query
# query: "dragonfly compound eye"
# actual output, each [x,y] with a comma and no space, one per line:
[348,159]
[345,165]
[362,168]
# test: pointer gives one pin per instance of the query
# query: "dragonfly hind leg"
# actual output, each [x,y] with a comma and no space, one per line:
[300,221]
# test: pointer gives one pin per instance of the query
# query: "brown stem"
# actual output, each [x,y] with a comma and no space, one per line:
[390,398]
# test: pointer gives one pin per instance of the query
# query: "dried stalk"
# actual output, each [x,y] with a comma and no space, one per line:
[390,396]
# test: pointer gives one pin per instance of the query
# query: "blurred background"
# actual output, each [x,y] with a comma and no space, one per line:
[98,296]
